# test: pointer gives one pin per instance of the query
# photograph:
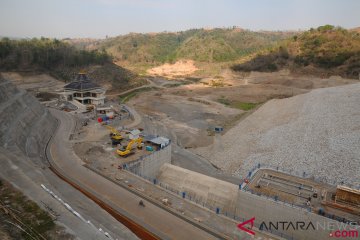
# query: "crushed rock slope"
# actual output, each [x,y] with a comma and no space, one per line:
[317,133]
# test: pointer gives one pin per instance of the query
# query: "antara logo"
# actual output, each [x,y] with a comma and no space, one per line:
[247,230]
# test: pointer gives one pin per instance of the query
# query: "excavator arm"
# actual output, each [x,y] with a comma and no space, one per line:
[128,148]
[115,135]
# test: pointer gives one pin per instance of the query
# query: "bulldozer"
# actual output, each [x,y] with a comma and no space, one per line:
[129,149]
[115,136]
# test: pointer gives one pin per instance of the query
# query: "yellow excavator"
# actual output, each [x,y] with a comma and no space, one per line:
[114,135]
[128,150]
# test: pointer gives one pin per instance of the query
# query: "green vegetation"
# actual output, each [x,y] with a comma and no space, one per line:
[46,54]
[25,213]
[216,45]
[239,105]
[63,61]
[244,106]
[332,50]
[328,47]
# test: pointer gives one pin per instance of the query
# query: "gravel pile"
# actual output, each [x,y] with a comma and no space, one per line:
[317,133]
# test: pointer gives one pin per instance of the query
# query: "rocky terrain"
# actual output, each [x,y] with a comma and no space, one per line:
[316,134]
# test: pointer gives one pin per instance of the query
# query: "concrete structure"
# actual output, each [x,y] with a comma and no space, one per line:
[148,166]
[160,141]
[347,195]
[228,200]
[84,91]
[201,188]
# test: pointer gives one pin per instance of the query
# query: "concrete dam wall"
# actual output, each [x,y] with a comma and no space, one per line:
[25,125]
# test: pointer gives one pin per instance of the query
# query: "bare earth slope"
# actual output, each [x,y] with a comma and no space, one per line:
[317,133]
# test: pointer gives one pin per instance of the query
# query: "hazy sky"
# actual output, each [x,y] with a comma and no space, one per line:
[98,18]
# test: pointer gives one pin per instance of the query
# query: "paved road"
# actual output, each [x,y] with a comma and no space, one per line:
[153,218]
[28,177]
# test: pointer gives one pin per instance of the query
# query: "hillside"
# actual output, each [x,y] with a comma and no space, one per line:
[63,60]
[324,51]
[215,45]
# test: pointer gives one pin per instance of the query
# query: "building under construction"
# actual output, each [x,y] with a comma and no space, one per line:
[83,90]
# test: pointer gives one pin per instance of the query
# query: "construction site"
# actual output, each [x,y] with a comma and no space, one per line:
[192,161]
[179,120]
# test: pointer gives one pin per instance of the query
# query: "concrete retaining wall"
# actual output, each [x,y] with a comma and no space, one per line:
[212,192]
[148,166]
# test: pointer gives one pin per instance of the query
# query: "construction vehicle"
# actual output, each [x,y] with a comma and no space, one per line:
[129,148]
[115,136]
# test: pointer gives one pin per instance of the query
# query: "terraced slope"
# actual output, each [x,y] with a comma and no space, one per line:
[25,125]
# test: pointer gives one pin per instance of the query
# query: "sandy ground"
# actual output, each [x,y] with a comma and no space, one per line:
[188,118]
[189,110]
[258,87]
[178,69]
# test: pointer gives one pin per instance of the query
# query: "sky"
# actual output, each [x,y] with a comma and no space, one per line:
[101,18]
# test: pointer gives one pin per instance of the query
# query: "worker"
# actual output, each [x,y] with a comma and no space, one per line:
[141,203]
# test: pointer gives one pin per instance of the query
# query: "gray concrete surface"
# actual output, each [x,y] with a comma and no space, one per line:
[201,188]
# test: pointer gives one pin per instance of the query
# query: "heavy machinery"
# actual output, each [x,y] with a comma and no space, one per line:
[129,148]
[115,136]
